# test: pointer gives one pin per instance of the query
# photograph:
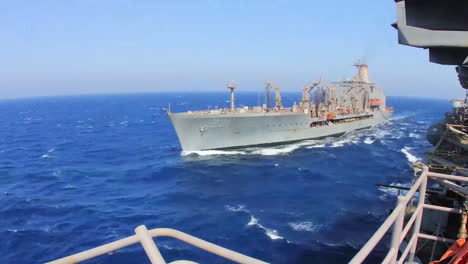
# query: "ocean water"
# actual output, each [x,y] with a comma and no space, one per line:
[80,171]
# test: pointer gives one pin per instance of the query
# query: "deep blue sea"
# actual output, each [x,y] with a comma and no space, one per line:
[80,171]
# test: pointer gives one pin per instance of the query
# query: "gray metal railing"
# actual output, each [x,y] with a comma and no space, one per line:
[400,230]
[145,237]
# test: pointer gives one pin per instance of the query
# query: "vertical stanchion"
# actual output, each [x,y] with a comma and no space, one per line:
[148,244]
[417,223]
[397,227]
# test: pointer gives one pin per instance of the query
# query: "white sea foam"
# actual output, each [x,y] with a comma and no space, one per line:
[253,221]
[331,142]
[271,233]
[212,152]
[399,117]
[317,146]
[45,156]
[411,158]
[51,150]
[236,208]
[69,186]
[304,226]
[413,135]
[369,140]
[393,191]
[167,247]
[275,151]
[341,143]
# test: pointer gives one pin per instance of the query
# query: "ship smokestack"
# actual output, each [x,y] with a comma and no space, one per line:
[362,72]
[232,86]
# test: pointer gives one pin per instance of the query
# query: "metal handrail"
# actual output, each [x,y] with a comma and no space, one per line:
[395,220]
[400,231]
[145,237]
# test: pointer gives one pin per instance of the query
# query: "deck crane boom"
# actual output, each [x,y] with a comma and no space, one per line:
[306,92]
[277,89]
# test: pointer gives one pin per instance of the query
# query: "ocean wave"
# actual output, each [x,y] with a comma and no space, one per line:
[351,138]
[57,173]
[271,233]
[369,140]
[392,192]
[411,158]
[253,221]
[317,146]
[69,186]
[46,156]
[399,117]
[413,135]
[263,151]
[304,226]
[237,208]
[212,152]
[280,150]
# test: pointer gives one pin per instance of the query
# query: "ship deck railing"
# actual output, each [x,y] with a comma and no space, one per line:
[400,230]
[145,238]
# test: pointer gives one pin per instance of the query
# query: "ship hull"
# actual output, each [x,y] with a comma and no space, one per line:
[234,130]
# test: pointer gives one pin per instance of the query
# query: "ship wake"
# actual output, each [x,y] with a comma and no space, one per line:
[356,137]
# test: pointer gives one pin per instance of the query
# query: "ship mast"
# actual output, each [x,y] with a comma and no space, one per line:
[232,85]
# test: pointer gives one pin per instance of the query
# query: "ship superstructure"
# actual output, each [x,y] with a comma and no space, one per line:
[324,110]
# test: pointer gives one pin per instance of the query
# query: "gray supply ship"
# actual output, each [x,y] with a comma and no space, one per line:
[332,110]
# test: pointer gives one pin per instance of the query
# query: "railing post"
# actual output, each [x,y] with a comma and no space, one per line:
[397,227]
[148,244]
[417,223]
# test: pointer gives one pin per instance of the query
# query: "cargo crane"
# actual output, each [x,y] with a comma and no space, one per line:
[270,84]
[305,102]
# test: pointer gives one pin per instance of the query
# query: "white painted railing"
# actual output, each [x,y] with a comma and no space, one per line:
[394,220]
[145,237]
[399,230]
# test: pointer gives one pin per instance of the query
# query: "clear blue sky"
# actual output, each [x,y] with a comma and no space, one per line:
[113,46]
